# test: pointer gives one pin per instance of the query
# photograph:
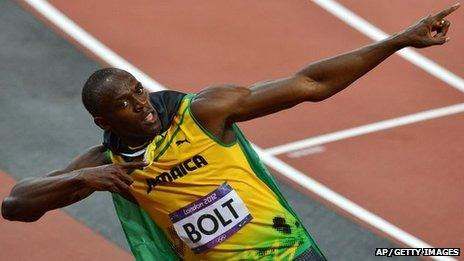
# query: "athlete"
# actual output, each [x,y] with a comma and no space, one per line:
[186,183]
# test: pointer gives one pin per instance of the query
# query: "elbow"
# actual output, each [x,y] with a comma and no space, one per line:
[313,91]
[314,97]
[11,211]
[7,208]
[317,92]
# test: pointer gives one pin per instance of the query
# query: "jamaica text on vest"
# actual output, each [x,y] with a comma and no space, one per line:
[178,171]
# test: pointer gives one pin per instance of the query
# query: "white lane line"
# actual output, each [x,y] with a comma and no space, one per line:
[307,151]
[286,170]
[376,34]
[365,129]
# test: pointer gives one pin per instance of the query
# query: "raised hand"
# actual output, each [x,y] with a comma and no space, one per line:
[111,177]
[431,30]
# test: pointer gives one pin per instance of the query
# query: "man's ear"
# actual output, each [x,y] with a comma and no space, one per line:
[101,122]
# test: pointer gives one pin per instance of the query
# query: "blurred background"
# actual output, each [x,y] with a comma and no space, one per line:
[377,165]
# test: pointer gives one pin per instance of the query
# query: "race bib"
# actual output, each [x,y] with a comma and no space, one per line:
[212,219]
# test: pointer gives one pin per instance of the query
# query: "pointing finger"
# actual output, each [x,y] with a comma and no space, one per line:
[446,12]
[133,165]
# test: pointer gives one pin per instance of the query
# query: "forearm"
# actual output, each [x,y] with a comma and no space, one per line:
[335,74]
[32,197]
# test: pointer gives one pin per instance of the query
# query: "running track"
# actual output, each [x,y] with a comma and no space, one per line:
[409,175]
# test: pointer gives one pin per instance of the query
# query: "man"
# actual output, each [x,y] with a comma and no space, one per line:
[181,158]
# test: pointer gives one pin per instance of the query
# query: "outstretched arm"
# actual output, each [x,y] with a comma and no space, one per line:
[219,106]
[336,73]
[31,198]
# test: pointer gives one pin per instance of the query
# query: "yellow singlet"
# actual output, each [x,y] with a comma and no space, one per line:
[211,199]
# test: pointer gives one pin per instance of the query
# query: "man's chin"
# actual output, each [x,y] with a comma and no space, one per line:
[153,130]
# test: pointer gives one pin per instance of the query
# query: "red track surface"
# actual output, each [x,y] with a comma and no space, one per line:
[411,175]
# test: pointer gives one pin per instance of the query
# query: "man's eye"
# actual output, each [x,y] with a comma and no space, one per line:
[139,90]
[124,104]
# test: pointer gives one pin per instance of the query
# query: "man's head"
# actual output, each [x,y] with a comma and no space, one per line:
[120,104]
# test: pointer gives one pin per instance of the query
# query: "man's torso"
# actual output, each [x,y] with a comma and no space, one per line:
[211,195]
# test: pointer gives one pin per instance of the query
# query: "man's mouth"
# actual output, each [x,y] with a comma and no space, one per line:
[150,118]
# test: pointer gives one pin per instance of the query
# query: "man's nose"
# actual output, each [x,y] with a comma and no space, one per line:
[139,104]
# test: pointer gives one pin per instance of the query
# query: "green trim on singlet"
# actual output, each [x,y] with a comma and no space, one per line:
[108,157]
[160,141]
[163,150]
[261,171]
[146,239]
[205,131]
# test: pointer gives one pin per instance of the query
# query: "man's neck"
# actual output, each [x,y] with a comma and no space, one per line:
[136,142]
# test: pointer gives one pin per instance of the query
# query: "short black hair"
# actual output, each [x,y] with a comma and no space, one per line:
[95,84]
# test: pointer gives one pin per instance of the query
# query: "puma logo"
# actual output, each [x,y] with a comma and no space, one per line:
[179,142]
[280,224]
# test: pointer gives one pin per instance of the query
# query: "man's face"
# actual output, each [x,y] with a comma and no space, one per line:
[126,109]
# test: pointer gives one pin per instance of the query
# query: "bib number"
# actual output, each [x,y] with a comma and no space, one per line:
[212,219]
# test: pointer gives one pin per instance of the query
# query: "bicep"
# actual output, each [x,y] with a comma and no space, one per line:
[231,103]
[93,157]
[271,97]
